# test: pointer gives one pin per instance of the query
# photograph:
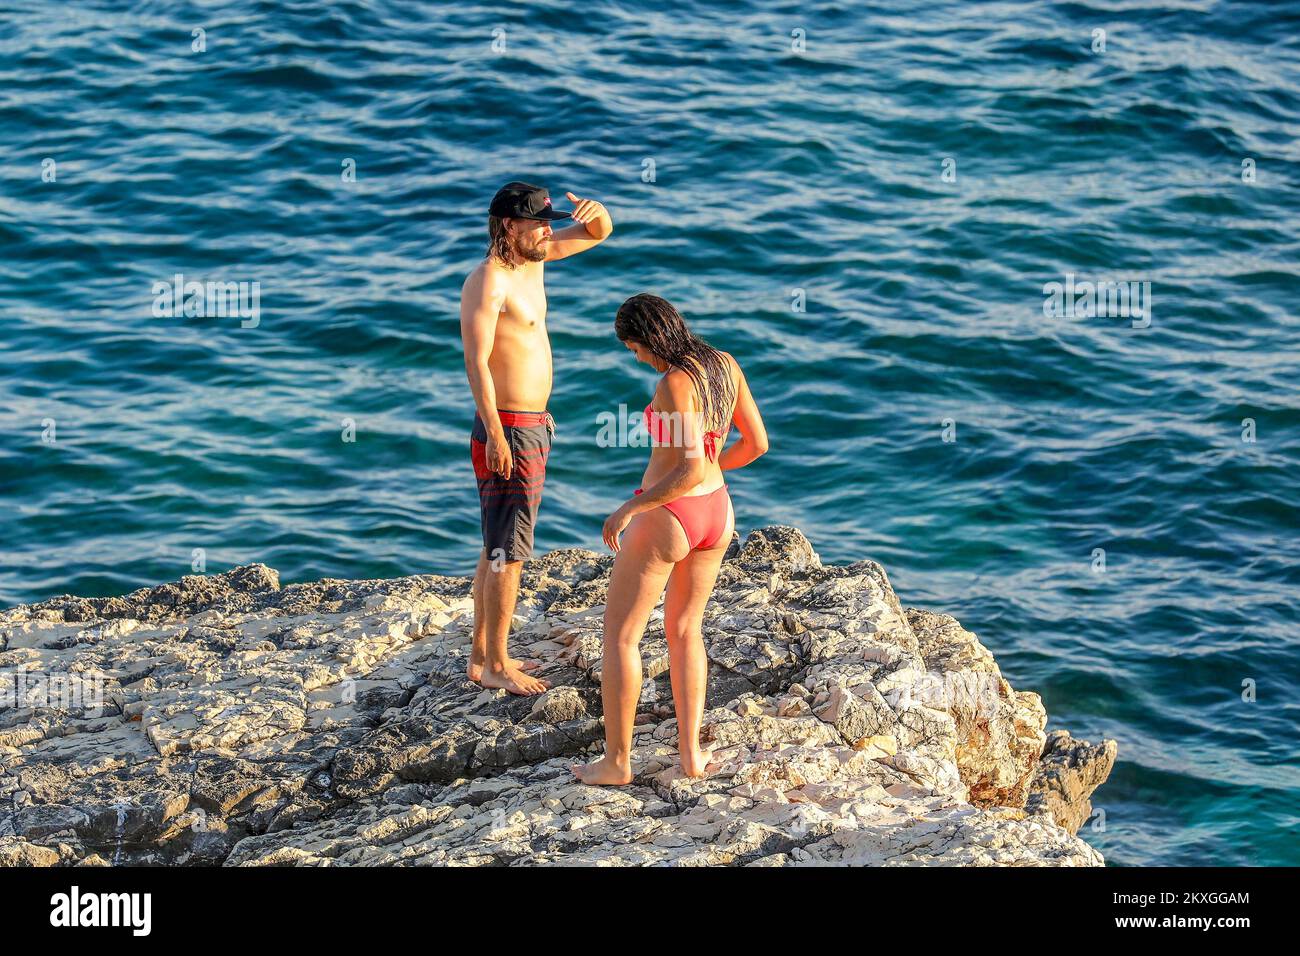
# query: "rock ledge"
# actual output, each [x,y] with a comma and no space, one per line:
[223,719]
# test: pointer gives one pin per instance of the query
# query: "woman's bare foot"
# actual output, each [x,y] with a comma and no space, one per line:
[699,763]
[475,669]
[604,773]
[515,681]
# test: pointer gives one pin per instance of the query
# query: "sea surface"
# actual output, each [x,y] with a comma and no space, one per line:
[862,202]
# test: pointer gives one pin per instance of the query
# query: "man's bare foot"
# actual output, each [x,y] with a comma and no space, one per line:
[604,773]
[699,764]
[515,681]
[475,669]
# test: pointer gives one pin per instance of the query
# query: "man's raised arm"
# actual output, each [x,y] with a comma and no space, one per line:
[591,226]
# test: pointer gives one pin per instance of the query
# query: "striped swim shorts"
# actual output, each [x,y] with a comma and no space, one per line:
[509,505]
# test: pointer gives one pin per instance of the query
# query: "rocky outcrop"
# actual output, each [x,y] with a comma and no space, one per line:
[226,720]
[1069,771]
[998,732]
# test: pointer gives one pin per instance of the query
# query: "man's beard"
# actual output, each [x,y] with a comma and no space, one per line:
[535,253]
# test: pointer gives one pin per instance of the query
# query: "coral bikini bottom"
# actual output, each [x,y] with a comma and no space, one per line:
[702,517]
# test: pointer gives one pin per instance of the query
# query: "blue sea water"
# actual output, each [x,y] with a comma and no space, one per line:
[863,203]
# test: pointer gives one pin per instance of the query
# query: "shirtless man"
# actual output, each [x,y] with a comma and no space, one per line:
[508,359]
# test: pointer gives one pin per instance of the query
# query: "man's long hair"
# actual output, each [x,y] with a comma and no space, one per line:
[656,324]
[499,245]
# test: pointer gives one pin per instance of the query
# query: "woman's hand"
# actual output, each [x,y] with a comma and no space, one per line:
[615,524]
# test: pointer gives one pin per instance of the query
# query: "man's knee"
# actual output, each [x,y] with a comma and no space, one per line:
[502,574]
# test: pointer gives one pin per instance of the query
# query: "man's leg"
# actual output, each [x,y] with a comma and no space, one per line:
[500,590]
[478,652]
[509,509]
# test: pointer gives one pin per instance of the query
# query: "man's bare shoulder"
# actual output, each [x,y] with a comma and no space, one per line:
[489,279]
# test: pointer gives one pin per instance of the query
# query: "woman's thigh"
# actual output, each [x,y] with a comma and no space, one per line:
[648,550]
[691,584]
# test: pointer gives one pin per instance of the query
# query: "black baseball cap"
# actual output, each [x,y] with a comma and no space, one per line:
[524,201]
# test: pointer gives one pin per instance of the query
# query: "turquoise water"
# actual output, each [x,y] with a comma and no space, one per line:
[738,170]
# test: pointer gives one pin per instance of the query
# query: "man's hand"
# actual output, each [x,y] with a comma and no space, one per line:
[591,226]
[499,461]
[585,210]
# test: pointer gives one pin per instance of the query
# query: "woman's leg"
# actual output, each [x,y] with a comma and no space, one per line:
[648,549]
[689,588]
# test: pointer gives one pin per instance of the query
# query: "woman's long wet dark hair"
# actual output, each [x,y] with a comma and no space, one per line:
[654,323]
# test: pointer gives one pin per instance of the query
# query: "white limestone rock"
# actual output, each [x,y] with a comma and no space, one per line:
[240,723]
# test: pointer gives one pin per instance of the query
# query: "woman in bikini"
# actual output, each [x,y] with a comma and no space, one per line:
[674,530]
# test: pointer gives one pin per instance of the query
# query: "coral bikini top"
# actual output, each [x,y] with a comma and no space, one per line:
[661,432]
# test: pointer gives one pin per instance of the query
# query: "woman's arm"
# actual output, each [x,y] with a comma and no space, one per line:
[753,436]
